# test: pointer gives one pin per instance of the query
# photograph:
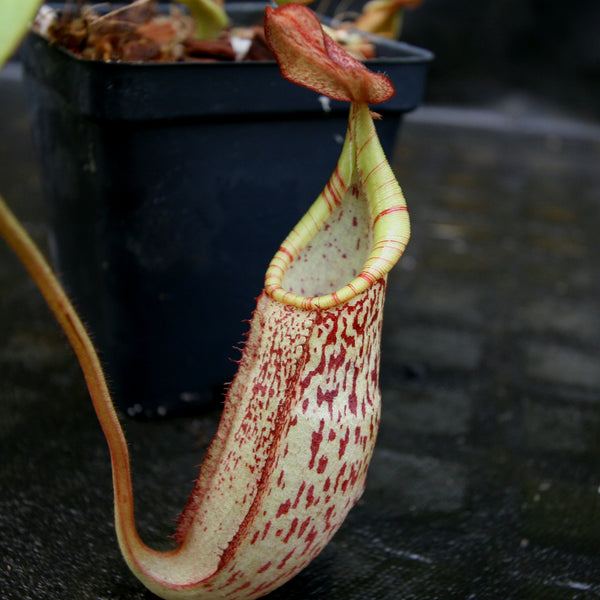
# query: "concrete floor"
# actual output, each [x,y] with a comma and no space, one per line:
[485,481]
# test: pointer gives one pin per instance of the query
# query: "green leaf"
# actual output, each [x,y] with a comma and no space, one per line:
[15,16]
[209,16]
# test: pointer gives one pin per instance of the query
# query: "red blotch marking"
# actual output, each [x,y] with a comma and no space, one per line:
[238,589]
[284,508]
[352,402]
[344,444]
[327,396]
[317,438]
[310,496]
[303,527]
[347,338]
[305,405]
[322,464]
[255,538]
[373,429]
[352,478]
[310,538]
[327,484]
[286,558]
[293,528]
[299,494]
[231,579]
[336,362]
[271,584]
[264,567]
[280,479]
[339,476]
[332,435]
[375,374]
[266,530]
[353,475]
[363,441]
[359,318]
[328,515]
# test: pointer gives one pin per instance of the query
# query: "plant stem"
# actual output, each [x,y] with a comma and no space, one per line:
[33,260]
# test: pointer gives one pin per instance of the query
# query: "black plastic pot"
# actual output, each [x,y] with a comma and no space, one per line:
[169,188]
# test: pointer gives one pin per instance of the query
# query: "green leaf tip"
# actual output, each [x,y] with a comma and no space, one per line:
[209,16]
[15,16]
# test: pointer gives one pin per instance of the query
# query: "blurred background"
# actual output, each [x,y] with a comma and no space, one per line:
[512,54]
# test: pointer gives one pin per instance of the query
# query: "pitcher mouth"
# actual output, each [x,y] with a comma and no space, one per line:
[352,235]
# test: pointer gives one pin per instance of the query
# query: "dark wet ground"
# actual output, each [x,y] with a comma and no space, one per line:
[485,482]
